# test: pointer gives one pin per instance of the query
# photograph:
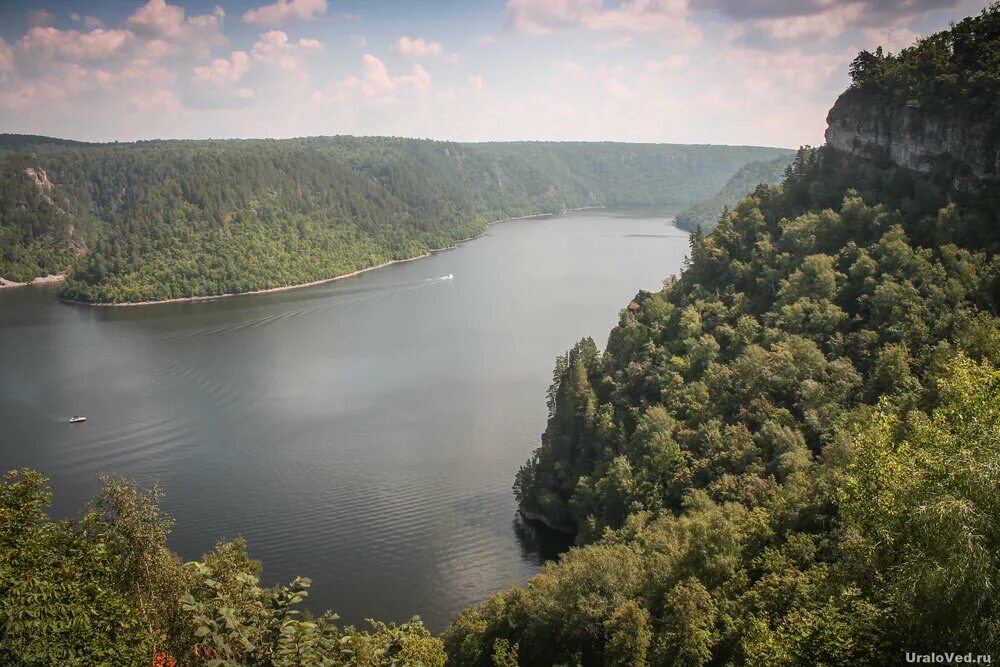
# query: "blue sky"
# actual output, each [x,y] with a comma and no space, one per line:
[694,71]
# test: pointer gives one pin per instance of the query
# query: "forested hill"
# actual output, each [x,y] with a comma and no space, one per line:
[168,219]
[789,455]
[706,213]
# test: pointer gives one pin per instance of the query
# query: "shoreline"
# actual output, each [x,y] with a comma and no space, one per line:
[534,517]
[284,288]
[39,280]
[230,295]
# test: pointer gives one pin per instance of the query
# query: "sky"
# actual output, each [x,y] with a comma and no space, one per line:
[760,72]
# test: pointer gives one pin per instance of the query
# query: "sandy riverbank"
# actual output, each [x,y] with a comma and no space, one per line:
[229,295]
[283,288]
[40,280]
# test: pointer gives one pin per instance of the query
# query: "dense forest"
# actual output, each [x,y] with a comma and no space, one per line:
[40,229]
[162,220]
[787,456]
[706,214]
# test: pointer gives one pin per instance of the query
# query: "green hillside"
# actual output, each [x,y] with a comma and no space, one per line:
[789,455]
[706,213]
[195,218]
[786,456]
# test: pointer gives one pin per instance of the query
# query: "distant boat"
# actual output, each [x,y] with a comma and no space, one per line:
[448,277]
[77,419]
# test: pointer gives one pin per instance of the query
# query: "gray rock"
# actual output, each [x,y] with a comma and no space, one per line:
[910,138]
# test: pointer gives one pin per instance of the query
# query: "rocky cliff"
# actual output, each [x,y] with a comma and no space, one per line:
[910,138]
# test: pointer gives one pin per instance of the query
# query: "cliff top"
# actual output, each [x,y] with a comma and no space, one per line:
[955,73]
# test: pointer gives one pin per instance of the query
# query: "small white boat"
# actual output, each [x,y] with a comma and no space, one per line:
[447,277]
[77,419]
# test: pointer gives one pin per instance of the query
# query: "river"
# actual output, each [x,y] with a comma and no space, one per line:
[364,433]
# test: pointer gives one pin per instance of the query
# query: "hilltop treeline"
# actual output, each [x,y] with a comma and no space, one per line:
[955,72]
[161,220]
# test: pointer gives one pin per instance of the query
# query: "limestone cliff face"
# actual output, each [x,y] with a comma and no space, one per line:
[910,138]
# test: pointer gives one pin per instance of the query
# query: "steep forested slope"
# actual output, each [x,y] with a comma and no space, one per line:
[194,218]
[789,455]
[37,233]
[706,214]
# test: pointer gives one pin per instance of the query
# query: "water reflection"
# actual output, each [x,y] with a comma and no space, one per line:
[539,543]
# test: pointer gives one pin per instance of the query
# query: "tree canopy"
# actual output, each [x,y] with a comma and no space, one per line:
[955,72]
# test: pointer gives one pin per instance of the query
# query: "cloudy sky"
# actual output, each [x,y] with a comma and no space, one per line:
[693,71]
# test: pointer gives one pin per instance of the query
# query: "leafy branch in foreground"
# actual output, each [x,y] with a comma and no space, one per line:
[103,589]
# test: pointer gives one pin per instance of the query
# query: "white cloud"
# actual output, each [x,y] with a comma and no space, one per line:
[601,80]
[570,67]
[672,63]
[285,11]
[274,49]
[892,39]
[623,42]
[477,83]
[541,16]
[108,77]
[223,71]
[376,83]
[485,40]
[45,46]
[821,26]
[418,47]
[220,84]
[668,18]
[359,41]
[169,31]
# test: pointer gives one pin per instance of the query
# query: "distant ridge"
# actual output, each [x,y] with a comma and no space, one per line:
[743,182]
[161,220]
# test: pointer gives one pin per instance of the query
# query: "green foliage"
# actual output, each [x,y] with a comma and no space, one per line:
[955,72]
[160,220]
[705,214]
[105,590]
[920,505]
[40,228]
[62,598]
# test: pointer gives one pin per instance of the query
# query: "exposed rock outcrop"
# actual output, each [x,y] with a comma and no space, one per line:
[910,138]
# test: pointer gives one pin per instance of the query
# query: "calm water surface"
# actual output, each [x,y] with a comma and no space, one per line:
[364,433]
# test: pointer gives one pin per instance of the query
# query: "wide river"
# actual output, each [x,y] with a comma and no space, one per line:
[364,433]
